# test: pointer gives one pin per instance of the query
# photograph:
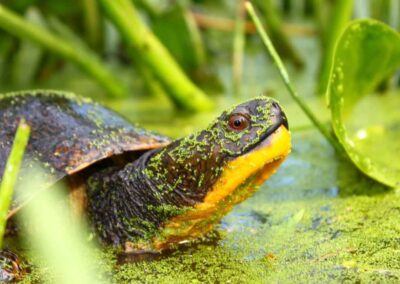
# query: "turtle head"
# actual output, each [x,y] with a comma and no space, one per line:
[214,169]
[244,127]
[253,140]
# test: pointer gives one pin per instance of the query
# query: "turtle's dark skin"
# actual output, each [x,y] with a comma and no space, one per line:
[137,188]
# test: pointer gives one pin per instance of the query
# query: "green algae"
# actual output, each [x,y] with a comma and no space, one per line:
[318,219]
[202,145]
[190,166]
[19,95]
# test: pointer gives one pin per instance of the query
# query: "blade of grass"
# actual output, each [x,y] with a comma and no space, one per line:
[339,18]
[11,173]
[286,79]
[152,52]
[151,9]
[93,24]
[238,47]
[29,56]
[320,14]
[57,241]
[84,58]
[278,36]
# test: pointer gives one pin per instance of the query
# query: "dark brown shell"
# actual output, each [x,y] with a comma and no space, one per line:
[68,133]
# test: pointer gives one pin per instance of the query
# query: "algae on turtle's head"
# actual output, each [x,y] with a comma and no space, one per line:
[311,224]
[192,171]
[190,183]
[316,221]
[212,147]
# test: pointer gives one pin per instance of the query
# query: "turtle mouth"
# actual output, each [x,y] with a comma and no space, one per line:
[279,120]
[268,169]
[238,181]
[274,149]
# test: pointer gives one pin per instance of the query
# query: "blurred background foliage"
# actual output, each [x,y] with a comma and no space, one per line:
[172,65]
[213,42]
[83,47]
[202,56]
[96,48]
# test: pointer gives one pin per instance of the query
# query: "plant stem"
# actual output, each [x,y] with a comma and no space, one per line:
[155,56]
[286,79]
[11,173]
[228,25]
[86,60]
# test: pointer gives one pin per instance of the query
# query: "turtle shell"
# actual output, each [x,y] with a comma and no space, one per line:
[68,133]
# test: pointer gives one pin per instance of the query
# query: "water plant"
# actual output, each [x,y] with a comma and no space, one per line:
[356,70]
[329,215]
[10,176]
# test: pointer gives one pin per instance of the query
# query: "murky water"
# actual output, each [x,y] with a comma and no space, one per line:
[317,219]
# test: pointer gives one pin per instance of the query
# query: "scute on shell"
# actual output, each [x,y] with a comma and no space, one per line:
[68,133]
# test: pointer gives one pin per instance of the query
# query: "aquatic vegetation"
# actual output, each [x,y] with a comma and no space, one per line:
[356,71]
[367,52]
[330,214]
[11,171]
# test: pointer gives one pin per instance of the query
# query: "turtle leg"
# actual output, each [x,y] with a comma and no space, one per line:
[10,266]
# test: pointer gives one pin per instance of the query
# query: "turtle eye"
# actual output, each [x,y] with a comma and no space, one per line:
[238,122]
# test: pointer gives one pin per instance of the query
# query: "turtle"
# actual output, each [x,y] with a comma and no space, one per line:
[140,190]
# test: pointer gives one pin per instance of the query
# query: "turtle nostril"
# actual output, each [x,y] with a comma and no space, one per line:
[276,105]
[284,120]
[280,115]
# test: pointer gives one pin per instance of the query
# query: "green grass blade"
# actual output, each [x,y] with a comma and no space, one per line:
[93,23]
[11,173]
[29,56]
[155,56]
[239,41]
[341,15]
[278,37]
[286,79]
[57,241]
[86,60]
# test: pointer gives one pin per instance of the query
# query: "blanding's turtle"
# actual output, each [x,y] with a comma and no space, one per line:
[139,189]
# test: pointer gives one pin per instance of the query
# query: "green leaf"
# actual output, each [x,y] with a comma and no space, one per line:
[367,124]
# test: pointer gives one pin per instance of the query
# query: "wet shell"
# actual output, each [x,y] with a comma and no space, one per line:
[68,133]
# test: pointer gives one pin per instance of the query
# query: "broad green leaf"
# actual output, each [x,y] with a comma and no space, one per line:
[367,124]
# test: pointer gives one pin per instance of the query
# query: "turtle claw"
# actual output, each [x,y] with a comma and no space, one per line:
[138,256]
[137,253]
[10,266]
